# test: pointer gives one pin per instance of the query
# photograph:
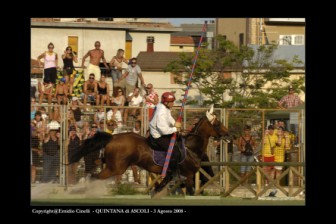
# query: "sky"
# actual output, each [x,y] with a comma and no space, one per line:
[178,21]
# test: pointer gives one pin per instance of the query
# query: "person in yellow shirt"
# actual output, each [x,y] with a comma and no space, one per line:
[279,151]
[111,125]
[270,141]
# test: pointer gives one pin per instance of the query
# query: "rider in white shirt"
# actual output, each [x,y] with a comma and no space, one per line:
[162,127]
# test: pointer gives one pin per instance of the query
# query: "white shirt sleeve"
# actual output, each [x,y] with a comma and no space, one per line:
[165,123]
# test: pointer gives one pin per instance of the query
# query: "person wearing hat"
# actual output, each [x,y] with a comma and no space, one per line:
[290,100]
[61,92]
[270,142]
[162,127]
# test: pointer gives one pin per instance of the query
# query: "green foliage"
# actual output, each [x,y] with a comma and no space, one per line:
[125,189]
[261,82]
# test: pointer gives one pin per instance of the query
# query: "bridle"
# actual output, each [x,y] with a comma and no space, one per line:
[216,127]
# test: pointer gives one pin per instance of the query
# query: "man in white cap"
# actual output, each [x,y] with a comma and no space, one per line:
[290,100]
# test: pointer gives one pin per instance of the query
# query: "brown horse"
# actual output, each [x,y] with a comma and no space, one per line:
[126,149]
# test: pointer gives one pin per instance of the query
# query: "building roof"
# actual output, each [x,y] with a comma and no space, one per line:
[194,30]
[156,61]
[182,40]
[82,23]
[197,28]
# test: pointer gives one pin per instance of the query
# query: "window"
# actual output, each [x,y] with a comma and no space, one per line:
[73,43]
[291,40]
[285,40]
[298,40]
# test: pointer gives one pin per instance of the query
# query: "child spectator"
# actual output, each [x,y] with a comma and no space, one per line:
[45,90]
[61,92]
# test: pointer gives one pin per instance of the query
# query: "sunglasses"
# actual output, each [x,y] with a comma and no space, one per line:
[91,77]
[133,62]
[93,126]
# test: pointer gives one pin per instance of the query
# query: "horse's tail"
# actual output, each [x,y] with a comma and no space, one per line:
[97,142]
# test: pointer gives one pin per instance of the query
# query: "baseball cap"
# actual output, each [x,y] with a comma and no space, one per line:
[53,125]
[74,98]
[290,88]
[62,79]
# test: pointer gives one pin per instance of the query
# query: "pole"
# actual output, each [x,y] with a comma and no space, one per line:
[173,139]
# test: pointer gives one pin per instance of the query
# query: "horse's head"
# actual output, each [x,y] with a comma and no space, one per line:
[218,130]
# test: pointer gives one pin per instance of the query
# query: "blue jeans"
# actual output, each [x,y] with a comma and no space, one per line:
[50,166]
[116,74]
[243,158]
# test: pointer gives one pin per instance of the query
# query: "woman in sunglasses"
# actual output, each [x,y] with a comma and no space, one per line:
[69,69]
[50,64]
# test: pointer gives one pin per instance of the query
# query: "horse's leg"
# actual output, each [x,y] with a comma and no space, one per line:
[189,185]
[163,183]
[104,174]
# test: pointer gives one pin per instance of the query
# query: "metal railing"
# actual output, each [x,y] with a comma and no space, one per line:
[226,178]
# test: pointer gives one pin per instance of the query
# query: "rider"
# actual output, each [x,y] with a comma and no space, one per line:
[162,127]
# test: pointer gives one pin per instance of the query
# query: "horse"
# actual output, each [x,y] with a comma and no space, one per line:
[126,149]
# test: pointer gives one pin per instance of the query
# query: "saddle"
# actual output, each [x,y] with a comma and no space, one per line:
[159,156]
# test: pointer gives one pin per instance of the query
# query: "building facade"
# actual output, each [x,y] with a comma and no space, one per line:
[81,35]
[245,31]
